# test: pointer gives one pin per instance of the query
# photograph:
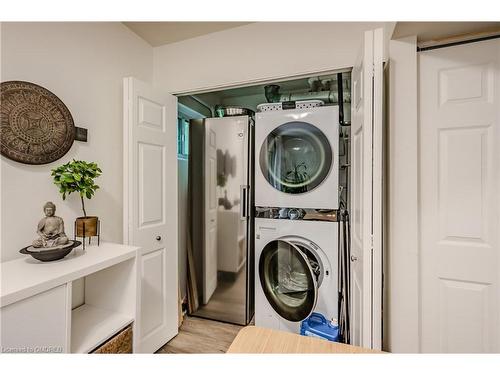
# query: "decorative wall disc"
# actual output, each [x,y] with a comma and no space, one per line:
[36,127]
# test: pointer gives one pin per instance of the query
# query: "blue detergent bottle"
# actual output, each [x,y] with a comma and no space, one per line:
[316,325]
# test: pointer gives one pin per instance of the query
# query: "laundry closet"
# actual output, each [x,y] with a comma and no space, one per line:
[277,155]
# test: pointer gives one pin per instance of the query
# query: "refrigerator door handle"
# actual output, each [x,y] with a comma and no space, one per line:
[243,202]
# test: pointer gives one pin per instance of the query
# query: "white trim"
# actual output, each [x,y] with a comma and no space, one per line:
[377,199]
[127,157]
[261,81]
[69,321]
[367,206]
[461,38]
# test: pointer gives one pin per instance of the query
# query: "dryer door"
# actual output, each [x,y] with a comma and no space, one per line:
[296,157]
[288,279]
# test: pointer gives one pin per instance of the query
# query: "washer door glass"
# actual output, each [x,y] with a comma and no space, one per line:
[296,157]
[288,280]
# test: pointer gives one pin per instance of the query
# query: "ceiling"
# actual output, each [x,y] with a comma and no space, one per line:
[159,33]
[427,31]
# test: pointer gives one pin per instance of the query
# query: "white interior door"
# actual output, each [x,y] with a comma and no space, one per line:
[150,208]
[459,97]
[366,194]
[211,204]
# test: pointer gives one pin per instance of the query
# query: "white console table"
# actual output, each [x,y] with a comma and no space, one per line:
[35,300]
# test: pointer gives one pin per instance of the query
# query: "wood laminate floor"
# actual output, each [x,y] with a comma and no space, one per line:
[198,335]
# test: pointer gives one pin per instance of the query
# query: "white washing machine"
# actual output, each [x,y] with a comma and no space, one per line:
[296,271]
[296,152]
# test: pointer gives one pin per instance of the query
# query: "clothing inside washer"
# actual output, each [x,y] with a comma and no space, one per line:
[290,278]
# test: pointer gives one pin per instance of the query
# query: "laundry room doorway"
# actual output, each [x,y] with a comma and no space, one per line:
[362,84]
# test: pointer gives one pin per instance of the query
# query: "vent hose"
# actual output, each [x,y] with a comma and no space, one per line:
[273,95]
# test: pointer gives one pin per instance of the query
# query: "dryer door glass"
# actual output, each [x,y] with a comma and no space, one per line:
[289,282]
[296,157]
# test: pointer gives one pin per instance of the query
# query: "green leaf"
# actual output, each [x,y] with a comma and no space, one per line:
[76,176]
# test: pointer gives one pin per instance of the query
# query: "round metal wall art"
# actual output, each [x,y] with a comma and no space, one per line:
[36,127]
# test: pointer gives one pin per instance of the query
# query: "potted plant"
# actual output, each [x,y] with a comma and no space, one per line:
[78,176]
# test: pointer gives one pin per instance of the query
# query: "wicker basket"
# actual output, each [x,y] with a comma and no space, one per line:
[121,343]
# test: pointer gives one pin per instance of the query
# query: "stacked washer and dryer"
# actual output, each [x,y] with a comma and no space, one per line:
[296,198]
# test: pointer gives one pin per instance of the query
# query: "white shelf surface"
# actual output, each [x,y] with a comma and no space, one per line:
[24,277]
[92,326]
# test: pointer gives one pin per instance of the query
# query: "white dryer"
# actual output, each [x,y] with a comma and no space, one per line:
[296,266]
[296,152]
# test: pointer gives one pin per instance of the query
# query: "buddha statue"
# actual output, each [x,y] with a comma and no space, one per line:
[50,229]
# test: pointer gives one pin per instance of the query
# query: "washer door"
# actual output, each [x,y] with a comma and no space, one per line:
[289,282]
[296,157]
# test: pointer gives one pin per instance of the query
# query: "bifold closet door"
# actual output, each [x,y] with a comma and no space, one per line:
[459,155]
[150,208]
[366,194]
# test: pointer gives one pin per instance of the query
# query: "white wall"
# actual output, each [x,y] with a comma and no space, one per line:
[402,283]
[83,64]
[259,51]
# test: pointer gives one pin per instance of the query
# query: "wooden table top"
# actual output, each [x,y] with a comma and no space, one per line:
[253,339]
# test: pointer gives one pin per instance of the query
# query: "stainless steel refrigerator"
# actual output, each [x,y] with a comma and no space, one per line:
[221,205]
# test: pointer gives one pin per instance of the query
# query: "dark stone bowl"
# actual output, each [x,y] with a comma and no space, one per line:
[50,255]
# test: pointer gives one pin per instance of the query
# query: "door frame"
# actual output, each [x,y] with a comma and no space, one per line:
[378,200]
[402,281]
